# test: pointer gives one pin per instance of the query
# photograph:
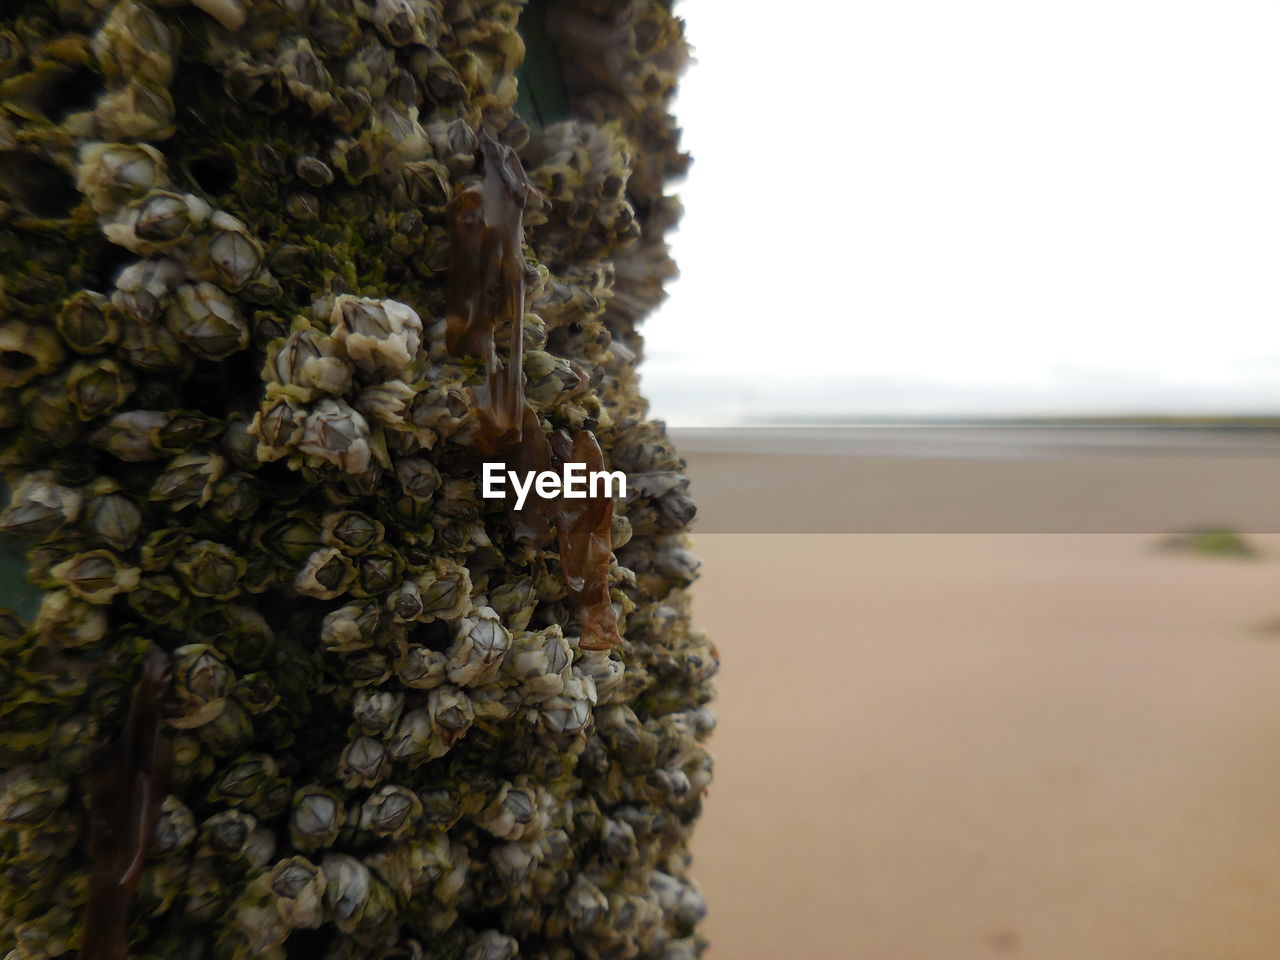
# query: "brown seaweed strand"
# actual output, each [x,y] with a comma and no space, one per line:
[584,528]
[128,780]
[486,289]
[532,455]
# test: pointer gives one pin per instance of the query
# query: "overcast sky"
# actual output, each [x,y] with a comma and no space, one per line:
[998,206]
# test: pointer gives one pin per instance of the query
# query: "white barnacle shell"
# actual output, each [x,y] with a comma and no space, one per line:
[229,13]
[405,601]
[408,138]
[347,888]
[134,42]
[326,574]
[299,886]
[304,73]
[496,701]
[189,478]
[634,915]
[672,781]
[677,563]
[570,711]
[493,945]
[278,425]
[679,898]
[479,648]
[451,716]
[337,434]
[350,627]
[137,109]
[445,589]
[232,255]
[411,742]
[605,672]
[376,710]
[551,380]
[116,519]
[112,173]
[130,435]
[205,319]
[432,859]
[364,763]
[418,477]
[513,861]
[391,811]
[515,602]
[202,683]
[315,820]
[40,505]
[699,769]
[541,661]
[69,622]
[27,798]
[585,904]
[261,847]
[396,21]
[308,362]
[160,221]
[143,286]
[451,884]
[618,841]
[439,408]
[686,948]
[386,403]
[175,828]
[381,336]
[427,182]
[95,576]
[32,352]
[421,668]
[229,833]
[512,813]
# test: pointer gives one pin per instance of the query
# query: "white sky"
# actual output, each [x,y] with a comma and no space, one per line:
[995,206]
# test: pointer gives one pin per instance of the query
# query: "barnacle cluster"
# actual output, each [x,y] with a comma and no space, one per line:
[275,277]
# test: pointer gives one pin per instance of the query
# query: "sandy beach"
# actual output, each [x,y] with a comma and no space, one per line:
[918,478]
[943,747]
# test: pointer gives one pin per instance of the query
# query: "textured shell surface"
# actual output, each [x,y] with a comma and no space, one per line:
[277,277]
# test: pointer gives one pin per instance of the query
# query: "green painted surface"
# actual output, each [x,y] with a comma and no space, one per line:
[542,99]
[16,594]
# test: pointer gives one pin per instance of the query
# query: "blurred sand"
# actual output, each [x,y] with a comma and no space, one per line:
[899,478]
[977,746]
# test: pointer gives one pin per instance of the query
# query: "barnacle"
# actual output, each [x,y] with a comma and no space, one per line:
[277,277]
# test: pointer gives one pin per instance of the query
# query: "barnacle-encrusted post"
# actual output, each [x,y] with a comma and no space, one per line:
[276,278]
